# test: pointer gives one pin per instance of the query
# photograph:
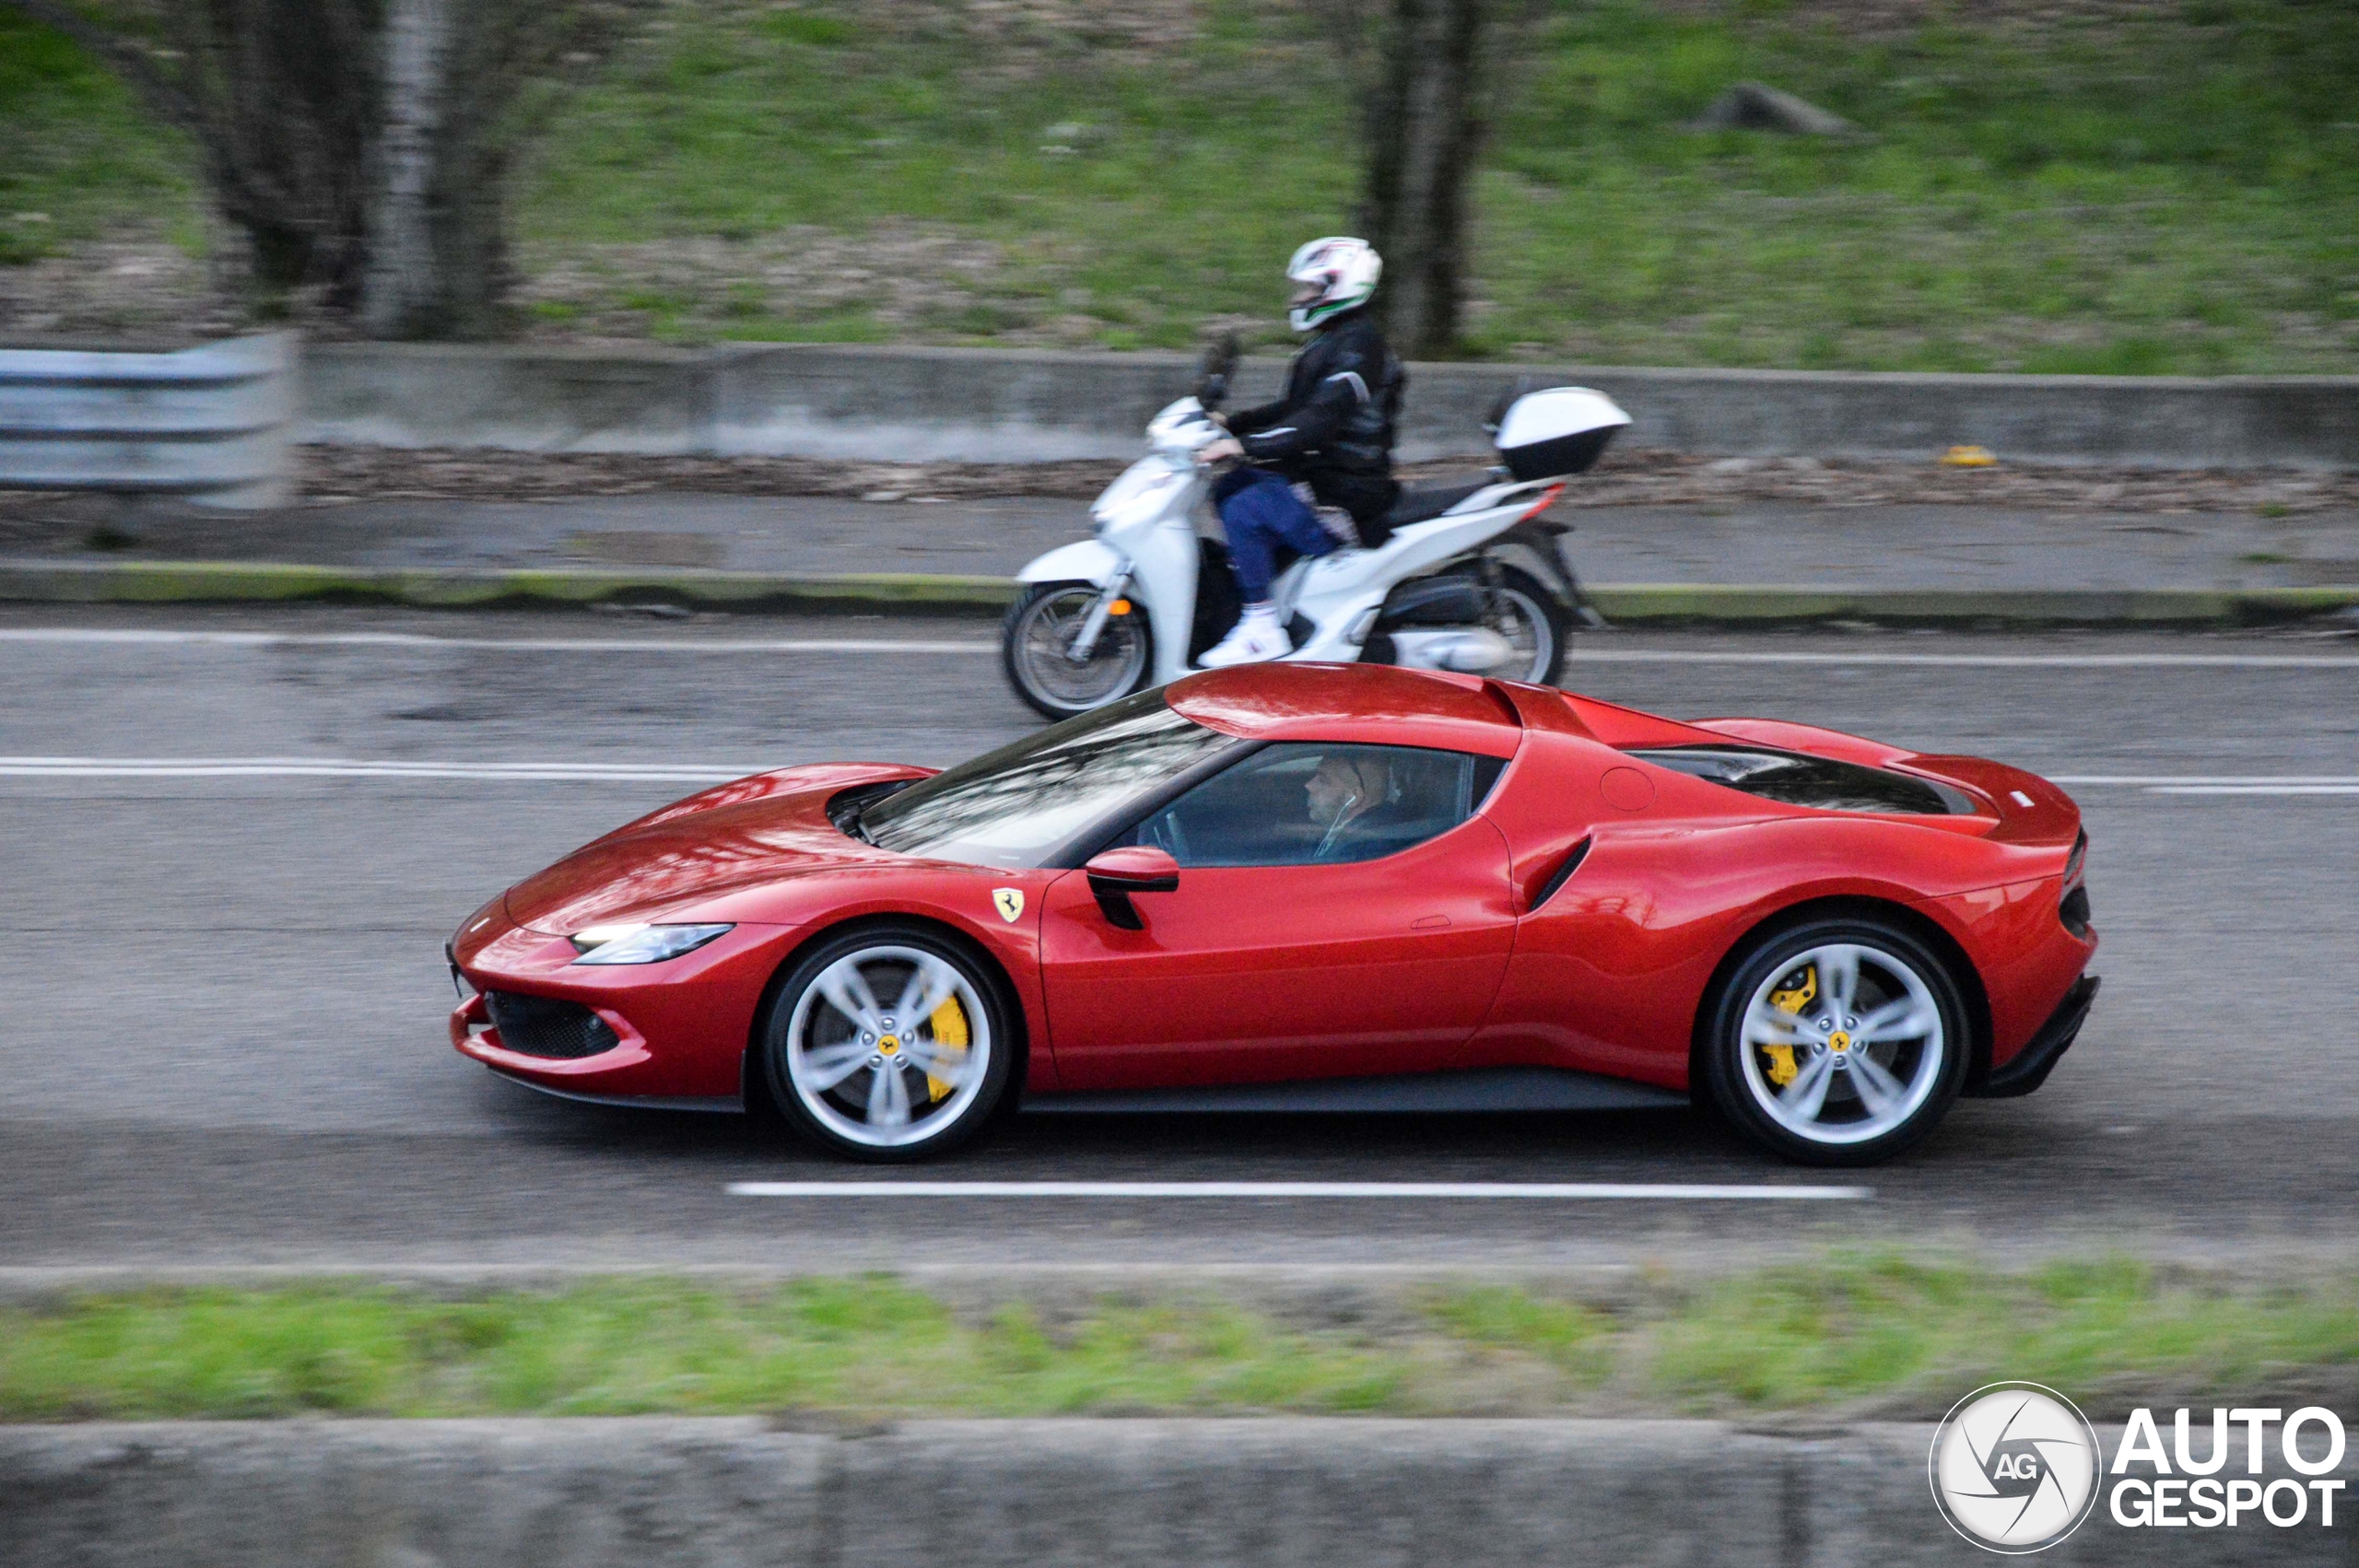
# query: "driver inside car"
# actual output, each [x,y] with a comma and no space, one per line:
[1319,461]
[1345,787]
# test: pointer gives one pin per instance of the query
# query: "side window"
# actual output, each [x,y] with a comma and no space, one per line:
[1308,803]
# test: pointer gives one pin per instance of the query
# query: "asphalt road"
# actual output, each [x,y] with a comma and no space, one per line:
[224,998]
[1800,544]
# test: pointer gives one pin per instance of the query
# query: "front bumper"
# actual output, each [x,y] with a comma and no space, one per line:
[679,1028]
[2029,1068]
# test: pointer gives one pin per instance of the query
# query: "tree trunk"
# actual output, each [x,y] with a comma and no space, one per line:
[363,147]
[279,100]
[1424,127]
[401,286]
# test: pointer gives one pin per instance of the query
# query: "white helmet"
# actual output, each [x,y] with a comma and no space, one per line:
[1338,274]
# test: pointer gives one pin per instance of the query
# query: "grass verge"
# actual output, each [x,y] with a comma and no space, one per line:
[1884,1336]
[2166,189]
[2174,193]
[78,158]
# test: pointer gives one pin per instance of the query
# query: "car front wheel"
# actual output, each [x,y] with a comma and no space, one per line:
[1837,1043]
[888,1044]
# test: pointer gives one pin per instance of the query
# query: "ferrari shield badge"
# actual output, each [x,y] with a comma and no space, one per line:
[1009,902]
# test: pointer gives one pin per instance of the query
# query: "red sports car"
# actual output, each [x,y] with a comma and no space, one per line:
[1303,886]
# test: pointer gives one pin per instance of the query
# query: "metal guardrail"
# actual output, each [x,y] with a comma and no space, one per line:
[215,424]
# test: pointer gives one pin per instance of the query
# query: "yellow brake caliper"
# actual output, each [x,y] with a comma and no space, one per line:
[1781,1057]
[950,1039]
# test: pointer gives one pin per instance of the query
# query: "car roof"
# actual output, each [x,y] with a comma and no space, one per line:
[1379,704]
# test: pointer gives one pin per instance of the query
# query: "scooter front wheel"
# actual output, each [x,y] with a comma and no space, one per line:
[1037,637]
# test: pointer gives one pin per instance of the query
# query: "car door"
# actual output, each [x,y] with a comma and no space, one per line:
[1366,941]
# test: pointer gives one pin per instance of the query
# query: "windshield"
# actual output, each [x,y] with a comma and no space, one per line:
[1015,806]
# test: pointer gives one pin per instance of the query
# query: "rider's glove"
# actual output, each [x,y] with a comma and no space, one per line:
[1220,450]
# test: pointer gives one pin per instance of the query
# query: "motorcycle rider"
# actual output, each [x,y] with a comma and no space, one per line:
[1318,468]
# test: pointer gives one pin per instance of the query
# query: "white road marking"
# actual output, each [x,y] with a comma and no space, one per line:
[152,638]
[1865,655]
[584,771]
[351,767]
[2256,789]
[1397,1189]
[2232,784]
[2206,781]
[1969,661]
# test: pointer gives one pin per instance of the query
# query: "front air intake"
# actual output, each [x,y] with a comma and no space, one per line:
[540,1025]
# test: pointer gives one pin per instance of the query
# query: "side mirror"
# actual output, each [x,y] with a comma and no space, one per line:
[1219,364]
[1115,874]
[1506,400]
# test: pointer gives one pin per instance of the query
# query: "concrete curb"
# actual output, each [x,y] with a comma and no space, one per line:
[232,582]
[1708,603]
[1110,1493]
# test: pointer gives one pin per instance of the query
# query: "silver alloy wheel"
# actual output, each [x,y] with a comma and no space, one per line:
[1858,1058]
[1041,633]
[1529,631]
[866,1069]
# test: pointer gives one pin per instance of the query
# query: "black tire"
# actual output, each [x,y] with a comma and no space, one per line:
[1122,662]
[1858,1120]
[805,1038]
[1550,619]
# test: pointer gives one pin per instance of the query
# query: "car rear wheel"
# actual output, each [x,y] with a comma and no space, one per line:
[1837,1043]
[888,1044]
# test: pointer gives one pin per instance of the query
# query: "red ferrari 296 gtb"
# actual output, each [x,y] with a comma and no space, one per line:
[1303,886]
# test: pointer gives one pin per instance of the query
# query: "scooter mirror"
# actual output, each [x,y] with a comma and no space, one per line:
[1508,395]
[1219,364]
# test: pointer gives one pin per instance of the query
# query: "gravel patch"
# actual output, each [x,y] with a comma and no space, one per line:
[1886,18]
[130,287]
[1635,476]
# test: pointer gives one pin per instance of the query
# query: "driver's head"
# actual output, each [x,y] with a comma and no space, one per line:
[1346,783]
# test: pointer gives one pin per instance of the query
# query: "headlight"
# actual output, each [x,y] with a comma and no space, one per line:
[640,944]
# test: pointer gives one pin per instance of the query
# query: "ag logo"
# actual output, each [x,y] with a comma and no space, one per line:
[2014,1467]
[1009,902]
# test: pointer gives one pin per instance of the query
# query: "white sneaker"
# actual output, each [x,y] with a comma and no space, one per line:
[1256,637]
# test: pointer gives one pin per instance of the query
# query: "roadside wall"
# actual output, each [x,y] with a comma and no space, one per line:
[997,405]
[1111,1493]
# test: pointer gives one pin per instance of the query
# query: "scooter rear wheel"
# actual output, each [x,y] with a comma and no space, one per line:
[1534,626]
[1528,617]
[1040,626]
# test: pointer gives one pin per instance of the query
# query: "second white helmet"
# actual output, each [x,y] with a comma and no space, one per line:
[1344,272]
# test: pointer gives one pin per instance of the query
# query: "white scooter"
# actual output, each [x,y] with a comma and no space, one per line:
[1456,576]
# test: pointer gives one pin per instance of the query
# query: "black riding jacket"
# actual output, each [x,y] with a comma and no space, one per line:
[1333,428]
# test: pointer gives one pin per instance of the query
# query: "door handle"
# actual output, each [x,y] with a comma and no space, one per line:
[1430,922]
